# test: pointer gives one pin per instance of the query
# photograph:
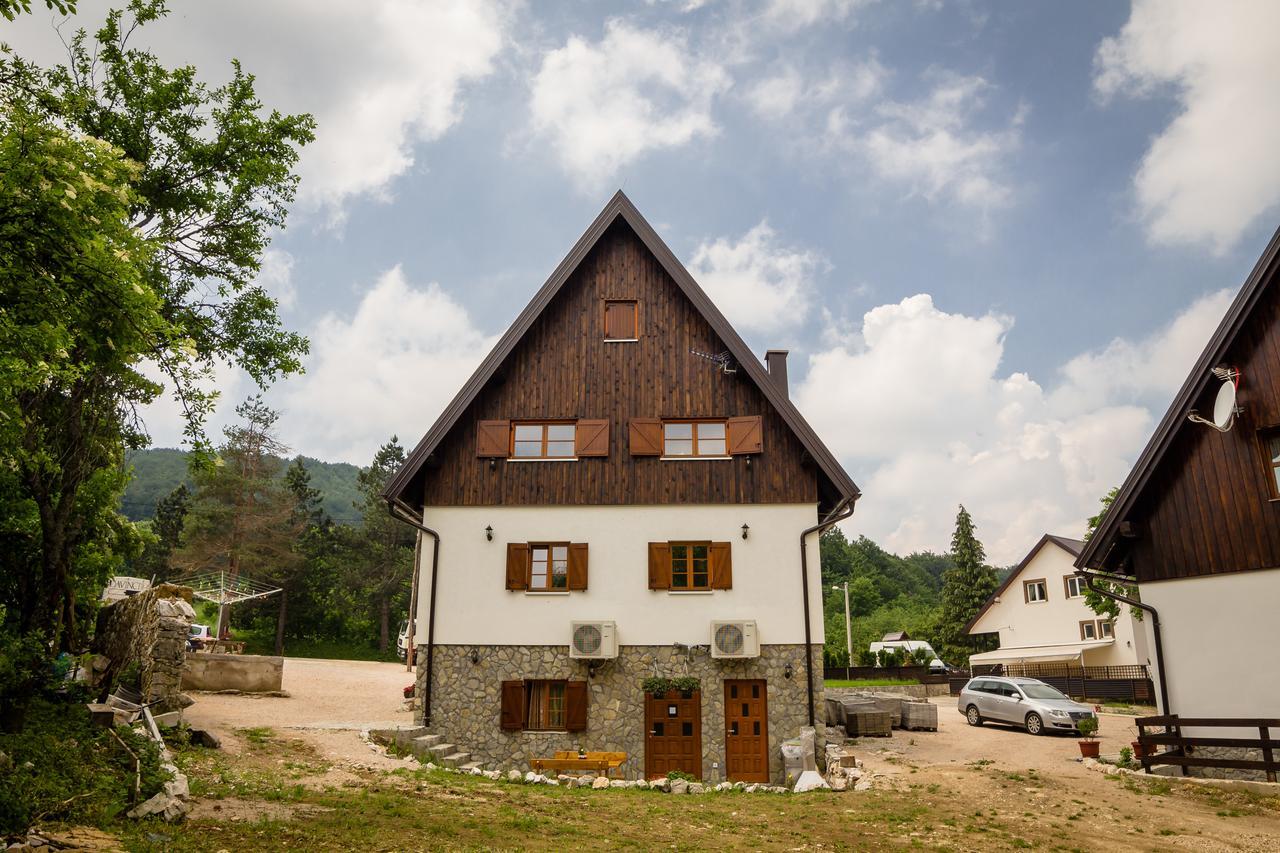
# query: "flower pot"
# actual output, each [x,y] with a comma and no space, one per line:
[1139,749]
[1089,748]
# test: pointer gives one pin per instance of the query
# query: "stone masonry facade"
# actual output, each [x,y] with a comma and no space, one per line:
[466,700]
[151,630]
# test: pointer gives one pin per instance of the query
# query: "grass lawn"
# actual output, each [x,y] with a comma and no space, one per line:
[868,682]
[263,642]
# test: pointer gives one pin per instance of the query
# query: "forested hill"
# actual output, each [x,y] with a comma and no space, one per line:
[158,471]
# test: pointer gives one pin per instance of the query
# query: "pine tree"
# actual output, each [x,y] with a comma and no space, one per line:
[965,588]
[166,526]
[383,554]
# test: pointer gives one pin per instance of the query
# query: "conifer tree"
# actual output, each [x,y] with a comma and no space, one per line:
[965,587]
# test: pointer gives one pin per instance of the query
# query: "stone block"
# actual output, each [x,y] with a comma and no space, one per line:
[600,783]
[810,780]
[679,786]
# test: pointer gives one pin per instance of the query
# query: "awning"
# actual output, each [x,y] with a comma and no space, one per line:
[1039,654]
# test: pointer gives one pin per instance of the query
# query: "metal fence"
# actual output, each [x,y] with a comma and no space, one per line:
[1127,683]
[919,674]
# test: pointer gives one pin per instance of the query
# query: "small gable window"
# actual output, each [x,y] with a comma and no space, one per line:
[543,441]
[1075,586]
[621,320]
[698,438]
[1034,591]
[1271,450]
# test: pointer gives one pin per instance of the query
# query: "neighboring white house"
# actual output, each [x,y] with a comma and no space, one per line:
[1041,616]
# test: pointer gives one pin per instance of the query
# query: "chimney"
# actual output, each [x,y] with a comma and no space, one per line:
[776,362]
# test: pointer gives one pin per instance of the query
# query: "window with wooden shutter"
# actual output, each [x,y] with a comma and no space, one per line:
[545,705]
[659,565]
[543,440]
[694,438]
[746,435]
[593,438]
[645,436]
[575,706]
[721,565]
[492,439]
[578,566]
[512,713]
[690,566]
[517,565]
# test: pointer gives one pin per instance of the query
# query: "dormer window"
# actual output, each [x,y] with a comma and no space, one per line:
[621,320]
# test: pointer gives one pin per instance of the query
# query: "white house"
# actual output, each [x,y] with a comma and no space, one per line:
[1039,611]
[622,493]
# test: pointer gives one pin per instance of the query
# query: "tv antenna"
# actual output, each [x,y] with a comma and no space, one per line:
[1225,409]
[724,359]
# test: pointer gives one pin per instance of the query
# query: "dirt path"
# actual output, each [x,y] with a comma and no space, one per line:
[329,703]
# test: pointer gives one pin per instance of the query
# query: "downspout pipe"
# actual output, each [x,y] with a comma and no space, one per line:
[843,510]
[403,512]
[1089,577]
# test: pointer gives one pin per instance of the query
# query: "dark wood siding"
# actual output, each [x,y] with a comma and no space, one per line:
[563,369]
[1208,506]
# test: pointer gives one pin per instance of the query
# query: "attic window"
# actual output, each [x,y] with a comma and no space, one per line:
[1271,450]
[697,438]
[543,441]
[621,320]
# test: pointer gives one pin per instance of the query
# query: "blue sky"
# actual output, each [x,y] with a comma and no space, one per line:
[993,235]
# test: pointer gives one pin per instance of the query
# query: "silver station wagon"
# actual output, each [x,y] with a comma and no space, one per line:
[1026,702]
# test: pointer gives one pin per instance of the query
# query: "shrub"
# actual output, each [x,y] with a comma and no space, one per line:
[866,657]
[1088,726]
[24,671]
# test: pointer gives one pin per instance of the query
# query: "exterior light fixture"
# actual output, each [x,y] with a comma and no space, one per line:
[745,530]
[787,671]
[488,532]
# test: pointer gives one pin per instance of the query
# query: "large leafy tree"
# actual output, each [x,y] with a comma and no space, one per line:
[135,204]
[965,588]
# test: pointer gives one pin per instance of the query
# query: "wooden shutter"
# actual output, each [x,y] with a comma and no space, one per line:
[575,706]
[517,565]
[659,565]
[646,436]
[578,565]
[721,554]
[511,719]
[493,439]
[745,435]
[591,438]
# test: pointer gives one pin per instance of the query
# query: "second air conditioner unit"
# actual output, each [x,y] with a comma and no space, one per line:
[735,639]
[593,640]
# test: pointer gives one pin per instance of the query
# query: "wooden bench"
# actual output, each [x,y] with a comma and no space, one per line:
[568,761]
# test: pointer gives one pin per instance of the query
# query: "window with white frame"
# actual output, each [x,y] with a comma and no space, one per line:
[1106,629]
[1089,630]
[1035,591]
[1075,586]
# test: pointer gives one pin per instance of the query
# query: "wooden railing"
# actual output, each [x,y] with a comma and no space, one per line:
[1181,748]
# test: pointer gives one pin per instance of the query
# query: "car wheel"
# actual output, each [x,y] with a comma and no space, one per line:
[971,714]
[1035,725]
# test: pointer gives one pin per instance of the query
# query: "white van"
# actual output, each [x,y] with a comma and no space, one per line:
[402,640]
[935,664]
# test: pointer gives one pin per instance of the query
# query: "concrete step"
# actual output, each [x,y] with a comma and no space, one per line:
[442,749]
[456,759]
[471,765]
[427,741]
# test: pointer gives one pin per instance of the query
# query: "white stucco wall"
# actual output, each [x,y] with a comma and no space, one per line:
[1220,634]
[474,607]
[1057,620]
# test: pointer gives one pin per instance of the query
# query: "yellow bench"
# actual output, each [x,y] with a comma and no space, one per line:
[601,763]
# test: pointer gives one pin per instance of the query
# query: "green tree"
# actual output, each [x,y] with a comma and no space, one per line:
[135,203]
[165,527]
[11,9]
[382,553]
[1100,604]
[965,588]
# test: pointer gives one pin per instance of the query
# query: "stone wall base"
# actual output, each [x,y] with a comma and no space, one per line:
[1228,752]
[466,700]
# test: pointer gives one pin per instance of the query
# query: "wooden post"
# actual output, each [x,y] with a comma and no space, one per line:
[1266,752]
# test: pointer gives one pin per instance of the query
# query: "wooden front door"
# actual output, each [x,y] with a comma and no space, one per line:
[746,736]
[673,734]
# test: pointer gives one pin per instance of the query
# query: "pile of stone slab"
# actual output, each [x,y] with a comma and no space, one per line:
[919,716]
[864,714]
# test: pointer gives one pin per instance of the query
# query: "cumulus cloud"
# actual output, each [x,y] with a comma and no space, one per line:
[389,367]
[917,407]
[603,105]
[936,145]
[276,277]
[1213,170]
[757,282]
[786,90]
[792,15]
[380,77]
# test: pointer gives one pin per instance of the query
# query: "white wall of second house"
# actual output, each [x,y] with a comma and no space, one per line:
[474,607]
[1220,635]
[1057,619]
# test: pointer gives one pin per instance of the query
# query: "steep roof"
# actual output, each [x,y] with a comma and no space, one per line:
[620,207]
[1071,546]
[1100,545]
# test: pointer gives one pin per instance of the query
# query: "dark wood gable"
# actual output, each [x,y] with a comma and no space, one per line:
[563,369]
[1200,502]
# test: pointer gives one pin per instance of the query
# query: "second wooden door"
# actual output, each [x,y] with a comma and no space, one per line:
[673,739]
[746,736]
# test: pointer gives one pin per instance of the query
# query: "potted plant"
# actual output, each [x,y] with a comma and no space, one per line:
[1089,745]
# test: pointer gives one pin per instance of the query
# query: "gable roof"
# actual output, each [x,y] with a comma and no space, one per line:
[620,207]
[1100,545]
[1071,546]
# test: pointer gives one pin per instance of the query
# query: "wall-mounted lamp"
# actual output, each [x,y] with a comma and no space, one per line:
[475,657]
[493,463]
[591,670]
[748,461]
[746,528]
[787,671]
[488,532]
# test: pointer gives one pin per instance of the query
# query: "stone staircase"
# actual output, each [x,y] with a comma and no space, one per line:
[426,746]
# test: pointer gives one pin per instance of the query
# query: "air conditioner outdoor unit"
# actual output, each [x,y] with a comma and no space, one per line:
[735,639]
[593,640]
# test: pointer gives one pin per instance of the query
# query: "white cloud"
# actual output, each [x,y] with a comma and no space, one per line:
[602,106]
[756,282]
[380,77]
[389,367]
[276,277]
[935,145]
[916,406]
[792,15]
[786,90]
[1213,171]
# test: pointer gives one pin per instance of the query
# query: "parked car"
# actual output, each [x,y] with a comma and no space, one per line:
[1026,702]
[402,640]
[198,637]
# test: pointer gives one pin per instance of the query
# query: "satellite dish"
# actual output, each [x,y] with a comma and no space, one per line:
[1224,405]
